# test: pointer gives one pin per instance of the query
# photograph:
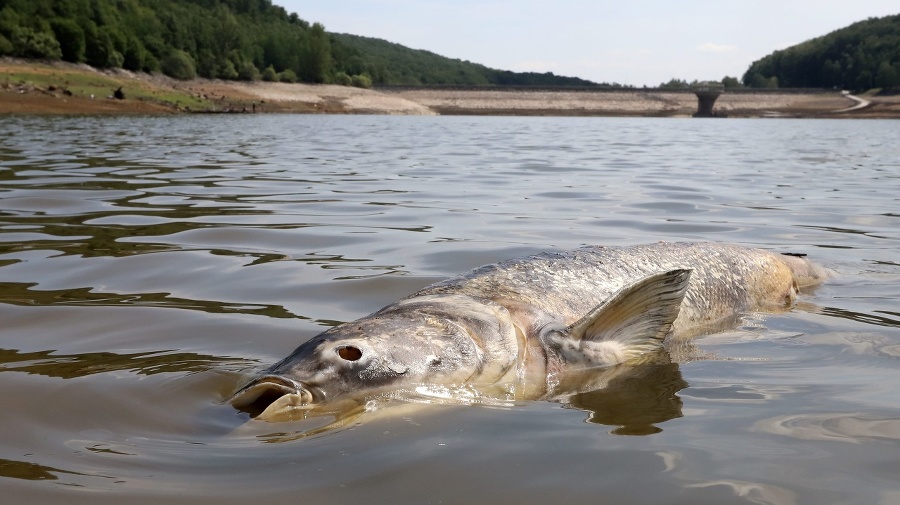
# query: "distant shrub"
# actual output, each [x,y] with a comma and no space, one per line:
[731,82]
[269,74]
[19,37]
[116,59]
[287,76]
[151,64]
[228,71]
[362,81]
[247,71]
[179,65]
[29,43]
[343,79]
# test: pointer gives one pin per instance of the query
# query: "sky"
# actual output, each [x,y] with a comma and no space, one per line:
[635,42]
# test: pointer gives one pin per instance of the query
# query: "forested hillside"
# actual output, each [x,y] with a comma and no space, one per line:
[227,39]
[861,56]
[230,39]
[390,63]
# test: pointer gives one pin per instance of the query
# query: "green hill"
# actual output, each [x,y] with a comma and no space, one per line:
[390,63]
[228,39]
[863,55]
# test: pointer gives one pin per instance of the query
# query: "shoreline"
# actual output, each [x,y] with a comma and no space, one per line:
[56,88]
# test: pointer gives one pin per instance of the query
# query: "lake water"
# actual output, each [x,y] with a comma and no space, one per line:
[149,265]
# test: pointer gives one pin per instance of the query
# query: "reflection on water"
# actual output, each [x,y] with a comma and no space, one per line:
[29,471]
[78,365]
[638,403]
[149,265]
[22,294]
[875,318]
[853,428]
[751,492]
[633,400]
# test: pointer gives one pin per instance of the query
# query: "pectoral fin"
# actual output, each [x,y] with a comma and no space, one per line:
[632,322]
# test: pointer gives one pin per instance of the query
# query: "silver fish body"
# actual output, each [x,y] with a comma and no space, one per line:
[527,326]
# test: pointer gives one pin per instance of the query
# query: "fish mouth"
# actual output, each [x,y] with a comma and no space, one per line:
[273,396]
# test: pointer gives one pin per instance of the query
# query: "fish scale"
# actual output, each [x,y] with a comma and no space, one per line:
[570,283]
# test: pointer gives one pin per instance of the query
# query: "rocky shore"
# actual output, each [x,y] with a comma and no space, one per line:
[58,88]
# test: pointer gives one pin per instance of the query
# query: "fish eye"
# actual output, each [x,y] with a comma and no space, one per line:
[349,353]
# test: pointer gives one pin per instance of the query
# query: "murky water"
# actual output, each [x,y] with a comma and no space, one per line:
[147,265]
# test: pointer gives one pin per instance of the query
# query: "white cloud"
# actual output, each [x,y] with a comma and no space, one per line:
[710,47]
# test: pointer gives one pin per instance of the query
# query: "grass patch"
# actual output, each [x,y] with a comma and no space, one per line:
[100,86]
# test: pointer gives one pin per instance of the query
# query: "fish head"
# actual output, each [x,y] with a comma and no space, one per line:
[364,357]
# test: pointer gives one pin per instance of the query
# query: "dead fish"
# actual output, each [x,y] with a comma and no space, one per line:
[534,327]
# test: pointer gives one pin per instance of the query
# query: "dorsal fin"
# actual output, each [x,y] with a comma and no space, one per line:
[633,321]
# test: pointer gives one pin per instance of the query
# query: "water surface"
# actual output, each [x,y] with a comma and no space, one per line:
[148,265]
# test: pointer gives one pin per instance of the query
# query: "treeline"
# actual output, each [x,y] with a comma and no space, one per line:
[727,82]
[227,39]
[861,56]
[394,64]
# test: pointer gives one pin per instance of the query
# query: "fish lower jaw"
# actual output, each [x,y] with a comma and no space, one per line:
[287,406]
[273,397]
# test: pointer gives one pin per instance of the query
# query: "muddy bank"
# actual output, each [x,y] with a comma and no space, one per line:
[60,88]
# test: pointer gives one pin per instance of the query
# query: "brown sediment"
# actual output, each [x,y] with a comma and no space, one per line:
[29,87]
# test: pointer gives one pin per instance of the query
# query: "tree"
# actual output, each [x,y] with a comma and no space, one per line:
[30,43]
[9,23]
[135,55]
[207,64]
[731,82]
[864,80]
[849,57]
[269,74]
[316,63]
[244,67]
[71,39]
[760,81]
[832,75]
[362,81]
[6,46]
[342,79]
[675,84]
[141,35]
[98,51]
[227,71]
[887,76]
[179,65]
[287,76]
